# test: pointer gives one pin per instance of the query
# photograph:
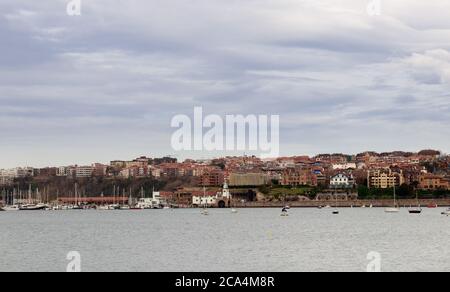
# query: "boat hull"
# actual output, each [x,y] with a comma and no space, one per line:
[33,207]
[9,209]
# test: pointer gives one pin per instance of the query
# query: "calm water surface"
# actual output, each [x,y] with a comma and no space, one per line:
[252,240]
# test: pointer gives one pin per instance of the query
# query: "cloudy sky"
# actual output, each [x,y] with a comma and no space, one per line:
[105,85]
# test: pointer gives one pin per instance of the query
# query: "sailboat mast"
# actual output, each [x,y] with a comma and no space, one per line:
[29,194]
[76,194]
[395,196]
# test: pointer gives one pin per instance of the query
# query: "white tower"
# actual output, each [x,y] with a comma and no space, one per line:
[225,191]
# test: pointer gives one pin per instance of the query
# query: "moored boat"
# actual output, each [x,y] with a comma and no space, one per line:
[11,208]
[33,207]
[446,212]
[392,210]
[418,209]
[415,210]
[395,208]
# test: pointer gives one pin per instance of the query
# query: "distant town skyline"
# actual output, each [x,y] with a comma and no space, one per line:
[181,159]
[105,85]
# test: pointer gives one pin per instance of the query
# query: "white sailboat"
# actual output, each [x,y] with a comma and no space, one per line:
[77,205]
[418,209]
[11,208]
[394,209]
[10,204]
[32,206]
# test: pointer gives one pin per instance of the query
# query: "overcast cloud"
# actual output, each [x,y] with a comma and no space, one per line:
[106,84]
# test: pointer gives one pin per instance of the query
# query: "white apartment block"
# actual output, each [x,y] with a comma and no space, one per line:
[84,171]
[17,172]
[62,171]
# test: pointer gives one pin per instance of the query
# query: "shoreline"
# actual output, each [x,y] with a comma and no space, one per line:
[424,203]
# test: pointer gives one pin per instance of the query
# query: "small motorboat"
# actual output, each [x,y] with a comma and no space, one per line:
[234,211]
[336,212]
[446,212]
[415,210]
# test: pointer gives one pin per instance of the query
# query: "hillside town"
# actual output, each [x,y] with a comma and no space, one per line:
[367,175]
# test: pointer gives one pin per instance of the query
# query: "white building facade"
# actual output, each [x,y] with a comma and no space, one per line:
[341,181]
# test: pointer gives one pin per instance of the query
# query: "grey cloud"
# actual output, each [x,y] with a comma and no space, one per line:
[339,79]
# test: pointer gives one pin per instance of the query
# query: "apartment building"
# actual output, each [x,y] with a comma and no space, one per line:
[384,179]
[298,177]
[84,171]
[430,181]
[212,178]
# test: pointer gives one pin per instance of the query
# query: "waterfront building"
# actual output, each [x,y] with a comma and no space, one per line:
[220,199]
[206,200]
